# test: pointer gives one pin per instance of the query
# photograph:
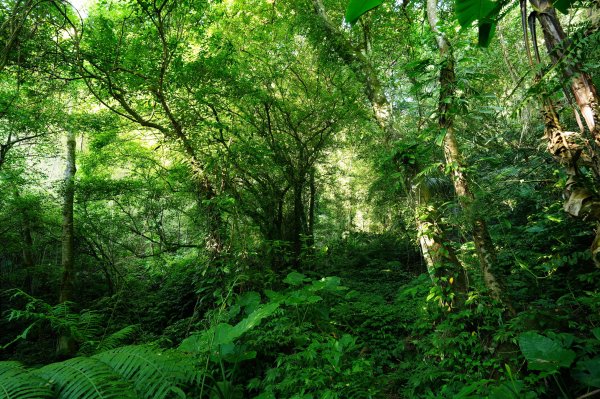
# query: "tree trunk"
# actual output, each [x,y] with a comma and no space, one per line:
[442,264]
[311,207]
[214,221]
[481,237]
[570,148]
[297,225]
[27,237]
[432,245]
[581,84]
[581,202]
[66,344]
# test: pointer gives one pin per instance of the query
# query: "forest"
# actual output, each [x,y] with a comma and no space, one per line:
[305,199]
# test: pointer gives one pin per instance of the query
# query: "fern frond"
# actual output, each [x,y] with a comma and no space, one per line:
[18,383]
[114,340]
[117,339]
[88,324]
[86,378]
[153,374]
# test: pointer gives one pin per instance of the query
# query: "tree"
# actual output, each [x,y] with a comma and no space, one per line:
[66,344]
[166,93]
[571,149]
[436,253]
[481,236]
[278,130]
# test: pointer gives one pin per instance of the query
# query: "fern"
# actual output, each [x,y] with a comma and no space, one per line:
[123,373]
[153,374]
[117,339]
[80,326]
[114,340]
[86,378]
[18,383]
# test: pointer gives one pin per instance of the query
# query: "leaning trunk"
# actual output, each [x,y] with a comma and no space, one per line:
[581,84]
[570,148]
[66,344]
[581,202]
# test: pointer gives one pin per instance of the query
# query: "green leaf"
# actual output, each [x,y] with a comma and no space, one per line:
[486,33]
[439,140]
[223,333]
[17,382]
[509,390]
[295,278]
[468,11]
[153,373]
[543,353]
[84,377]
[253,319]
[249,301]
[563,5]
[327,284]
[356,8]
[588,372]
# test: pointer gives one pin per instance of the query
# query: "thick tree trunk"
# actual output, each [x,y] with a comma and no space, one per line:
[581,202]
[481,237]
[66,344]
[442,264]
[432,245]
[581,84]
[571,148]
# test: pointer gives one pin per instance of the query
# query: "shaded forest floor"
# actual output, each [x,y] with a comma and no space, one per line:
[372,329]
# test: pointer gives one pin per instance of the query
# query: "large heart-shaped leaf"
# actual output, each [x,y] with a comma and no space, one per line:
[543,353]
[356,8]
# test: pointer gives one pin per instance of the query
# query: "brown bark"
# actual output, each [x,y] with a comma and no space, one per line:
[435,253]
[581,202]
[297,225]
[571,148]
[66,344]
[581,86]
[27,237]
[174,127]
[442,264]
[481,237]
[312,206]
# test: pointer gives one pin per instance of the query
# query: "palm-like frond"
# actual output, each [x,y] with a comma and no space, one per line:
[86,378]
[112,341]
[18,383]
[118,338]
[124,373]
[153,374]
[89,324]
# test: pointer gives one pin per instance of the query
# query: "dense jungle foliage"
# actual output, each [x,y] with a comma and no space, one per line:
[303,199]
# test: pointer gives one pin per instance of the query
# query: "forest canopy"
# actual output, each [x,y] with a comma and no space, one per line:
[299,199]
